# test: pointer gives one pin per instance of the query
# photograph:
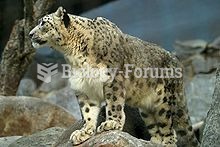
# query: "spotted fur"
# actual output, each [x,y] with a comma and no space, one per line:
[98,43]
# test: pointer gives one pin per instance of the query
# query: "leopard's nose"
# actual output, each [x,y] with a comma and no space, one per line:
[31,34]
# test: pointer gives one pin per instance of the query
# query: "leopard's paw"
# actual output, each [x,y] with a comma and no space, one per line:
[80,136]
[109,125]
[156,140]
[163,143]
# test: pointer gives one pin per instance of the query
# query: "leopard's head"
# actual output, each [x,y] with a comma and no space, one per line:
[49,28]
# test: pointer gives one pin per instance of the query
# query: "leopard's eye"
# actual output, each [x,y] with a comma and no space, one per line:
[42,23]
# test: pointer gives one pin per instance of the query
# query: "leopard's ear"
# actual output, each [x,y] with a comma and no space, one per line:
[62,14]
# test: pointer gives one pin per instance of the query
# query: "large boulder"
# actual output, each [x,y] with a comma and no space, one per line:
[25,115]
[114,138]
[49,137]
[65,98]
[45,138]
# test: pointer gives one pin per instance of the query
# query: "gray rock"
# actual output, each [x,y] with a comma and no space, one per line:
[211,134]
[63,139]
[45,138]
[117,139]
[199,93]
[57,82]
[198,56]
[26,87]
[190,47]
[106,139]
[204,64]
[25,115]
[215,44]
[6,141]
[49,137]
[65,98]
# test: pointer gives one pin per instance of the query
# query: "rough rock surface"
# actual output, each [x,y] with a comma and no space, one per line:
[198,56]
[106,139]
[45,138]
[26,87]
[57,82]
[6,141]
[48,138]
[199,94]
[63,139]
[211,134]
[25,115]
[65,98]
[116,139]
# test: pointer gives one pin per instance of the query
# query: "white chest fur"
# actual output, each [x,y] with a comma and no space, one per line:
[86,79]
[89,83]
[91,87]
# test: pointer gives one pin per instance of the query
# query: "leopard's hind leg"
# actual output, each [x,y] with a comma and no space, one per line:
[182,123]
[159,116]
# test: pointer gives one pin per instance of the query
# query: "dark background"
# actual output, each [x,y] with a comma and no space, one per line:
[159,21]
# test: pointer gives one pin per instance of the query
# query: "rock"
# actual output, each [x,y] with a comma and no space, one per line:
[199,94]
[49,137]
[198,56]
[111,138]
[63,139]
[57,82]
[215,44]
[117,139]
[45,138]
[26,87]
[25,115]
[65,98]
[204,64]
[135,128]
[211,133]
[189,47]
[114,138]
[6,141]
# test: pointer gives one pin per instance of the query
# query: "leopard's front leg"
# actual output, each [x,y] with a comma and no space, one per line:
[90,110]
[115,98]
